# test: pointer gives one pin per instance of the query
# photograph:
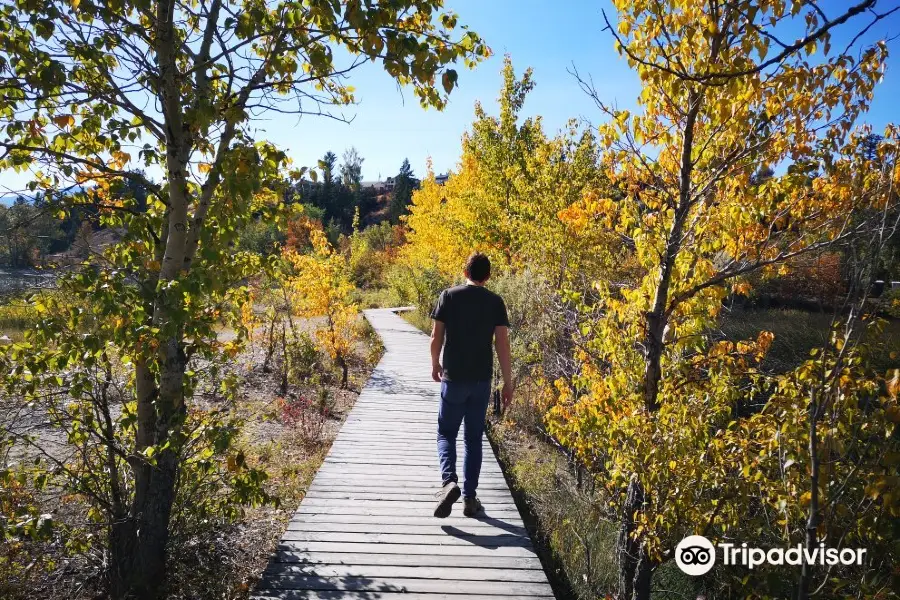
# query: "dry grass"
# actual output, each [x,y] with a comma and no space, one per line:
[418,318]
[797,332]
[16,316]
[574,538]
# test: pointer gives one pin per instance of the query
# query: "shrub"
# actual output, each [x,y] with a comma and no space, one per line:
[529,306]
[22,528]
[99,421]
[890,301]
[305,416]
[316,285]
[417,286]
[371,251]
[261,237]
[15,318]
[815,277]
[372,342]
[376,298]
[304,357]
[19,313]
[215,481]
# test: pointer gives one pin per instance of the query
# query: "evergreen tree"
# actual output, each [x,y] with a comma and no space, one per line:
[326,198]
[327,165]
[403,189]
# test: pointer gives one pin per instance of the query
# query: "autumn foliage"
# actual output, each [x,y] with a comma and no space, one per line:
[636,236]
[316,287]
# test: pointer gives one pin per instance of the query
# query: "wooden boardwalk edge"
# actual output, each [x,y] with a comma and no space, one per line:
[365,529]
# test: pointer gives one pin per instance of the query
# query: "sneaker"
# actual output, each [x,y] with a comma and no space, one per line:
[446,497]
[472,506]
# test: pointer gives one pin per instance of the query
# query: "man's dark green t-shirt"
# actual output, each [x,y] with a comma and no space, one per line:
[469,313]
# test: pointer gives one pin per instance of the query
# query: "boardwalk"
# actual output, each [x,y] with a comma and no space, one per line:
[365,529]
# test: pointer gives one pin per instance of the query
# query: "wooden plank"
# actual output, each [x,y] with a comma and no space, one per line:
[317,491]
[425,509]
[384,466]
[430,479]
[356,595]
[380,444]
[291,557]
[377,461]
[377,471]
[423,458]
[446,550]
[416,572]
[495,496]
[404,586]
[418,452]
[513,524]
[392,480]
[425,482]
[390,441]
[398,505]
[426,408]
[420,420]
[488,541]
[430,529]
[424,439]
[420,431]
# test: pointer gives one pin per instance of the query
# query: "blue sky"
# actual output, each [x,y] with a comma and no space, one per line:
[390,125]
[549,36]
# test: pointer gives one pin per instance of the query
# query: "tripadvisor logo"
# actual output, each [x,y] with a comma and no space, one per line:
[696,555]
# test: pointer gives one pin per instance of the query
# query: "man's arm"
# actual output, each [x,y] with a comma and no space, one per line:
[437,342]
[501,342]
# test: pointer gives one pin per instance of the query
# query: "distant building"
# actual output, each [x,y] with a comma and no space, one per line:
[441,179]
[380,187]
[386,186]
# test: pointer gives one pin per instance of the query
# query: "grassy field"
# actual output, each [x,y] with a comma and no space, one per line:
[797,332]
[16,316]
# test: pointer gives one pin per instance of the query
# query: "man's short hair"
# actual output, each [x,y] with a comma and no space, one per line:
[478,267]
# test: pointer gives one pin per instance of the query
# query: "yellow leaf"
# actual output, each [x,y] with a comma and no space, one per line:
[64,121]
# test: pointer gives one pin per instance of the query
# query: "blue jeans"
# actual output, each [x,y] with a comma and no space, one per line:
[462,401]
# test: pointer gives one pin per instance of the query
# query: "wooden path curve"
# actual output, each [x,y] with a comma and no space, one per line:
[366,530]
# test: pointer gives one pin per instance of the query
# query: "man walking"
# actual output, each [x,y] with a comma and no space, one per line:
[467,320]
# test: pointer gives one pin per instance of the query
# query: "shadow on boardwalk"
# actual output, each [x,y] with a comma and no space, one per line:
[387,383]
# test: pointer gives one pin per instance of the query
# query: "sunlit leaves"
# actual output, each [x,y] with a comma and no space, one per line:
[697,219]
[505,198]
[317,286]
